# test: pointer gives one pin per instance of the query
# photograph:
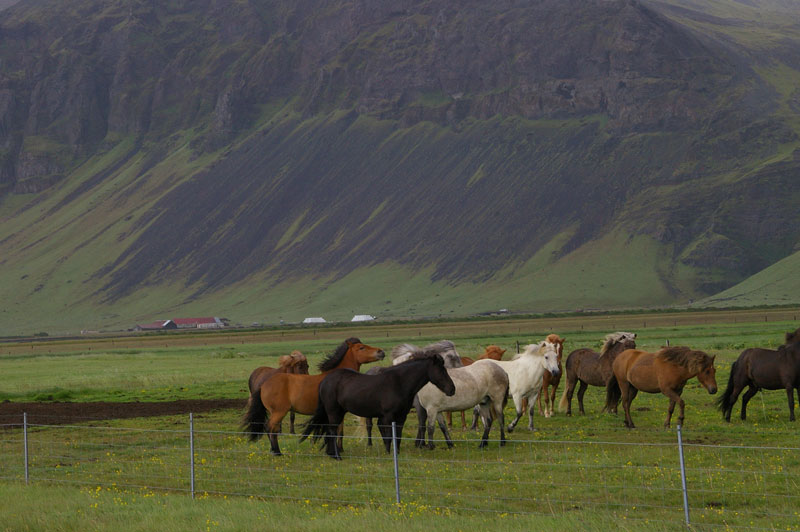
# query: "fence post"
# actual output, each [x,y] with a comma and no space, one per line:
[683,478]
[191,452]
[396,469]
[25,441]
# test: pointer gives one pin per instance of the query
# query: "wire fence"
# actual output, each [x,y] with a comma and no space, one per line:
[724,484]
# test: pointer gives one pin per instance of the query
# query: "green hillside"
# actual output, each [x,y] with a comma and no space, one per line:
[272,160]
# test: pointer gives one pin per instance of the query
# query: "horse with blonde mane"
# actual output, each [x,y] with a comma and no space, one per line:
[589,367]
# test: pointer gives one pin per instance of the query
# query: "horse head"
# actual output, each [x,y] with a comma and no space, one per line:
[364,353]
[708,375]
[298,364]
[793,337]
[437,374]
[493,352]
[558,342]
[549,352]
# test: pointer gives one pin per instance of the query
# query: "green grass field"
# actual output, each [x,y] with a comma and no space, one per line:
[584,472]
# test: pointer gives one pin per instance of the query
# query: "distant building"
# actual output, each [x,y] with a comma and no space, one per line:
[363,317]
[156,326]
[199,323]
[314,320]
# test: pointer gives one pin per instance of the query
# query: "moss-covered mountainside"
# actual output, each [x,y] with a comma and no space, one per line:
[277,158]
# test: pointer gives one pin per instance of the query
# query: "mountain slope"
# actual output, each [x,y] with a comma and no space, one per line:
[275,158]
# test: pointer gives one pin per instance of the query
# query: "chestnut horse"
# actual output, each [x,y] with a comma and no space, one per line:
[550,380]
[758,369]
[492,352]
[591,367]
[295,363]
[665,371]
[285,392]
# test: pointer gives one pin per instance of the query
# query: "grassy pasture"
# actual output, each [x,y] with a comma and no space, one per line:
[582,472]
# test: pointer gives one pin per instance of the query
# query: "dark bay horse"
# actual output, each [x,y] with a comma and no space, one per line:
[549,379]
[592,368]
[285,392]
[491,352]
[295,363]
[387,396]
[404,352]
[764,369]
[665,371]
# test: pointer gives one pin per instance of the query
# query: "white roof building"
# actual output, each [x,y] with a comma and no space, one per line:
[314,320]
[363,317]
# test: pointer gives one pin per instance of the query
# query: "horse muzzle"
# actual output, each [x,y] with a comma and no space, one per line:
[555,372]
[713,390]
[380,355]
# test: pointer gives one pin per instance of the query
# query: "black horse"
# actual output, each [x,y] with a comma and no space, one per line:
[387,396]
[758,368]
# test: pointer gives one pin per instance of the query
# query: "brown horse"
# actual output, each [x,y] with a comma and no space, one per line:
[284,392]
[758,369]
[549,380]
[591,367]
[491,352]
[295,363]
[665,371]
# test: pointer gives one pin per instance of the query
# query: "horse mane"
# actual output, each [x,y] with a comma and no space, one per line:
[444,348]
[615,338]
[694,361]
[426,355]
[335,358]
[793,337]
[534,349]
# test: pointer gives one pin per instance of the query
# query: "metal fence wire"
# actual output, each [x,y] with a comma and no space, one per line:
[703,484]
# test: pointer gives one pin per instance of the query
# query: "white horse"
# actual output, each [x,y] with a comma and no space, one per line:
[525,373]
[481,383]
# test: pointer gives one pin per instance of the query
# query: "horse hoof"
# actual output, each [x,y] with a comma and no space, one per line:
[276,453]
[502,443]
[510,429]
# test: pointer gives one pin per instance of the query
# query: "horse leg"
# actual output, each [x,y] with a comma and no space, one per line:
[449,416]
[443,426]
[518,407]
[790,394]
[568,391]
[737,389]
[530,412]
[486,416]
[422,419]
[628,394]
[368,423]
[431,426]
[273,429]
[463,420]
[751,391]
[539,404]
[474,425]
[291,422]
[581,390]
[497,406]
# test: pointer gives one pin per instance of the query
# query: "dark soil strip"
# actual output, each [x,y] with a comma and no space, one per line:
[65,413]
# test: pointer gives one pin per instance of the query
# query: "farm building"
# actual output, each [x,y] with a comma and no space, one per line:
[363,317]
[199,323]
[314,320]
[156,326]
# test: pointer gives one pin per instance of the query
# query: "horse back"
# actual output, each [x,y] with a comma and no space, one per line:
[292,391]
[769,369]
[587,365]
[641,370]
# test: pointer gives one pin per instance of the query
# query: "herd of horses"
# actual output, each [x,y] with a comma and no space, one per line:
[435,380]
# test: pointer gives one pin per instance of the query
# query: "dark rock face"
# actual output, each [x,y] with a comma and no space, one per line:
[457,136]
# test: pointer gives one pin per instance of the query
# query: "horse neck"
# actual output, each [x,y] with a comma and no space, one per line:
[349,362]
[415,377]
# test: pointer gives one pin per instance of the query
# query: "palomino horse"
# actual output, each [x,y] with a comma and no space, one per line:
[491,352]
[295,363]
[591,367]
[284,392]
[665,371]
[525,373]
[404,352]
[758,368]
[549,379]
[387,396]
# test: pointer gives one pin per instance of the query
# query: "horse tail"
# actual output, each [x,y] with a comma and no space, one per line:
[315,427]
[563,403]
[724,402]
[613,394]
[255,419]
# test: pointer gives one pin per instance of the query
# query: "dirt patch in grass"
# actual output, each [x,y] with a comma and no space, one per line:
[65,413]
